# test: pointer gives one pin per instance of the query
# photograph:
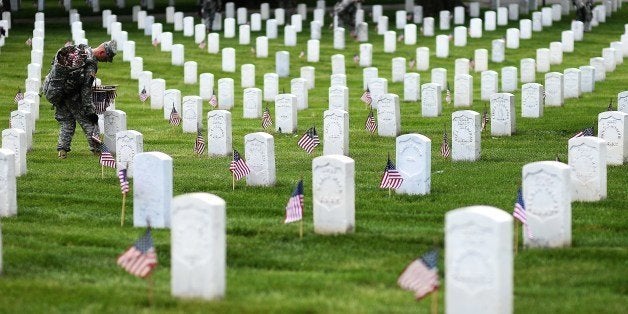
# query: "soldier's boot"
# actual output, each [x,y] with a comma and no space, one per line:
[62,154]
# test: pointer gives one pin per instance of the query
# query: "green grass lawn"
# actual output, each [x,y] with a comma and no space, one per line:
[59,251]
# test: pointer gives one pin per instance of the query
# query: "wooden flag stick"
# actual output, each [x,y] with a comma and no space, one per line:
[232,182]
[301,229]
[123,208]
[389,192]
[151,284]
[102,171]
[435,302]
[516,237]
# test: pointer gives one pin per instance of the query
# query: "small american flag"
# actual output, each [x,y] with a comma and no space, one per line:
[202,45]
[412,64]
[155,42]
[18,96]
[29,42]
[519,212]
[199,144]
[294,209]
[143,95]
[448,95]
[366,97]
[213,101]
[484,119]
[238,166]
[175,118]
[266,119]
[445,151]
[124,182]
[106,159]
[140,259]
[371,124]
[309,140]
[585,132]
[356,58]
[421,275]
[301,54]
[392,178]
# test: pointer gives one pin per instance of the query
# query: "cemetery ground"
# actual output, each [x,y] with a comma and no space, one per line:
[59,251]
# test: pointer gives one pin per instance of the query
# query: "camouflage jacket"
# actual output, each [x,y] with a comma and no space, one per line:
[71,76]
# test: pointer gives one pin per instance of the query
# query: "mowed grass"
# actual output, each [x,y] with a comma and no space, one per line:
[59,252]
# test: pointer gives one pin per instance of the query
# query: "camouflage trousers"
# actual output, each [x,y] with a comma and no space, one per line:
[67,114]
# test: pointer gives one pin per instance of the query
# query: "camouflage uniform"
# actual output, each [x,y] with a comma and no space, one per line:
[346,10]
[68,87]
[208,10]
[584,12]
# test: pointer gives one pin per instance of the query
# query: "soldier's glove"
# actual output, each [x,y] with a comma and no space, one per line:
[93,118]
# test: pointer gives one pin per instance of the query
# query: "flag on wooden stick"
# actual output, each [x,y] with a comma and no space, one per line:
[266,119]
[238,166]
[199,144]
[520,214]
[485,119]
[18,96]
[294,209]
[392,178]
[175,118]
[106,158]
[309,140]
[366,97]
[141,258]
[213,101]
[143,95]
[124,182]
[371,124]
[421,275]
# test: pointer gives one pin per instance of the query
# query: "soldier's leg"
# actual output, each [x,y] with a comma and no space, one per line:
[67,125]
[85,118]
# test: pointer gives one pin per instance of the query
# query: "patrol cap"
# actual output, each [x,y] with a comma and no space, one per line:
[111,48]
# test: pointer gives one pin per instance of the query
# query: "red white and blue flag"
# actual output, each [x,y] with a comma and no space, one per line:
[124,182]
[18,96]
[294,209]
[199,144]
[520,214]
[266,119]
[175,118]
[445,150]
[391,179]
[143,95]
[141,258]
[238,166]
[421,275]
[309,140]
[106,158]
[371,124]
[366,97]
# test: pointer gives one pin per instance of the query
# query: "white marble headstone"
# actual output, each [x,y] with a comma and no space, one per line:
[388,115]
[554,89]
[128,144]
[546,190]
[431,100]
[489,83]
[152,190]
[587,160]
[298,87]
[271,86]
[335,132]
[502,114]
[114,122]
[259,149]
[172,99]
[191,113]
[572,82]
[333,194]
[532,100]
[463,90]
[339,98]
[252,103]
[528,70]
[412,87]
[479,260]
[612,127]
[285,113]
[509,79]
[219,135]
[247,75]
[414,163]
[465,135]
[8,185]
[198,246]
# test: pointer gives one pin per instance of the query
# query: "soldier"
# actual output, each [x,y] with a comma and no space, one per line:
[584,12]
[208,10]
[68,87]
[345,10]
[288,6]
